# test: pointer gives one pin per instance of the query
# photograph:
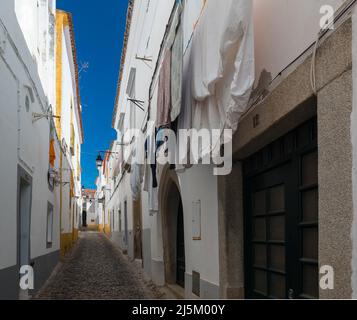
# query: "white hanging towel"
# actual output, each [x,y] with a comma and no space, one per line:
[223,64]
[135,181]
[148,179]
[176,74]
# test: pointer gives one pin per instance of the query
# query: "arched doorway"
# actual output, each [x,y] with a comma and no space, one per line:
[180,244]
[138,226]
[173,230]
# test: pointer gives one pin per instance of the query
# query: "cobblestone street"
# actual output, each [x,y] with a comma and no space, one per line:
[97,270]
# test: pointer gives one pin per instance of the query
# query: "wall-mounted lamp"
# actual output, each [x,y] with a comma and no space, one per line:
[99,161]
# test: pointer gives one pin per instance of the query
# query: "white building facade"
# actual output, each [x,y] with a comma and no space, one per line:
[69,129]
[32,151]
[279,75]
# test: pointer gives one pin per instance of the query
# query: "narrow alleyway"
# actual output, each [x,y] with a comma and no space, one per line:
[97,270]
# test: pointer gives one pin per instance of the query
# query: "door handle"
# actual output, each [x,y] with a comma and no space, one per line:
[291,294]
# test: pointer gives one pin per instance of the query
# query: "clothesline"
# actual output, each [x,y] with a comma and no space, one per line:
[164,48]
[212,113]
[194,27]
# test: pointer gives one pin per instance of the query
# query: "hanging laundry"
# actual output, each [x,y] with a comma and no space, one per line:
[146,180]
[154,201]
[191,16]
[207,66]
[184,121]
[176,74]
[173,27]
[150,184]
[223,63]
[139,152]
[164,92]
[150,146]
[52,153]
[239,32]
[135,181]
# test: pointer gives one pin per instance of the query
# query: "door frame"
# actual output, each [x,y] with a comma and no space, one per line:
[293,203]
[138,220]
[126,230]
[170,197]
[180,214]
[23,177]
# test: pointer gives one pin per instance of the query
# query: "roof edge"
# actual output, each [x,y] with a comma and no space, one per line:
[129,16]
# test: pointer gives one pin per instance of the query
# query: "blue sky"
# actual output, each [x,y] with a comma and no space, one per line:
[99,29]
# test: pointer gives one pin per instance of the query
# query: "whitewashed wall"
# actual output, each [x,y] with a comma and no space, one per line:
[29,147]
[8,166]
[69,110]
[199,184]
[146,33]
[33,17]
[284,29]
[91,212]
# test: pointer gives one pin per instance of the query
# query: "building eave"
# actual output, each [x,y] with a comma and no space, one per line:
[76,75]
[123,57]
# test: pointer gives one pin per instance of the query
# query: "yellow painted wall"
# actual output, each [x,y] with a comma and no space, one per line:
[92,227]
[62,21]
[66,243]
[75,235]
[107,229]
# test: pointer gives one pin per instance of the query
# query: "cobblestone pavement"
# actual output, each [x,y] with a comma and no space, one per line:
[97,270]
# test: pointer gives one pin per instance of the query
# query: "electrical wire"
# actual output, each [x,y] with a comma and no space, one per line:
[313,66]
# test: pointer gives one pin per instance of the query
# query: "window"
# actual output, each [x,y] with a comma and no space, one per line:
[27,103]
[49,232]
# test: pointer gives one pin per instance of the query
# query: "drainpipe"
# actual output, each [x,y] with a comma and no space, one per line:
[73,203]
[61,167]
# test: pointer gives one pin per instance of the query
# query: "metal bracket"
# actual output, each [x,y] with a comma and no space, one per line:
[138,103]
[38,116]
[66,169]
[144,58]
[61,183]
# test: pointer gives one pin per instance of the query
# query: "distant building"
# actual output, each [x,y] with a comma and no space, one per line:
[89,216]
[103,196]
